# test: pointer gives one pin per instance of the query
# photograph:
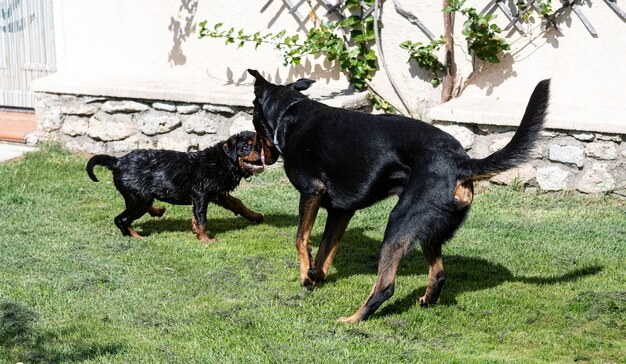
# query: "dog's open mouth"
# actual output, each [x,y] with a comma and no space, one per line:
[256,166]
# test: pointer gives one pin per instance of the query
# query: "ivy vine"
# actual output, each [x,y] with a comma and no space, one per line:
[426,59]
[352,49]
[481,35]
[545,8]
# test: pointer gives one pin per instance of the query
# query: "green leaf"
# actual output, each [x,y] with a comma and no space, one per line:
[370,55]
[351,21]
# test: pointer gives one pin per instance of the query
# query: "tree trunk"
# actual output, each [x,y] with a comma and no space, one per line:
[450,76]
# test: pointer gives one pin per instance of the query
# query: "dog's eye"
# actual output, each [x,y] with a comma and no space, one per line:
[247,147]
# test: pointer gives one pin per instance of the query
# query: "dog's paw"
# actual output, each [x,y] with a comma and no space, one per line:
[349,319]
[206,240]
[308,283]
[425,301]
[256,217]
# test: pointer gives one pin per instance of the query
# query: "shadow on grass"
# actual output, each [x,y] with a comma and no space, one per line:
[358,254]
[214,226]
[21,339]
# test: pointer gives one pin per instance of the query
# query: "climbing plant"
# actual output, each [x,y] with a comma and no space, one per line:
[348,42]
[424,55]
[481,35]
[545,8]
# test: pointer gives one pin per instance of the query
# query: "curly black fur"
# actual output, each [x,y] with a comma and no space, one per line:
[197,178]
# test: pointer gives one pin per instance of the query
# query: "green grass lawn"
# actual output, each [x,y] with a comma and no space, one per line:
[532,277]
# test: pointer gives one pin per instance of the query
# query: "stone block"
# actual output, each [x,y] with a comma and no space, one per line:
[569,154]
[522,174]
[203,122]
[609,137]
[498,141]
[157,122]
[177,140]
[218,109]
[131,143]
[75,125]
[83,143]
[460,133]
[552,178]
[480,148]
[187,108]
[50,118]
[585,137]
[106,127]
[601,150]
[79,107]
[164,106]
[241,122]
[125,106]
[596,179]
[207,141]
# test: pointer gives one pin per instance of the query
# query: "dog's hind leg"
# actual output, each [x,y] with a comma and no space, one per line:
[391,254]
[436,274]
[423,213]
[235,205]
[336,225]
[135,208]
[309,206]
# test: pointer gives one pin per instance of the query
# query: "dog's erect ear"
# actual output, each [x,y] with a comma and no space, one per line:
[230,148]
[259,80]
[301,84]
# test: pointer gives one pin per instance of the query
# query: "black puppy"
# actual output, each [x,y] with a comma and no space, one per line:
[195,178]
[344,161]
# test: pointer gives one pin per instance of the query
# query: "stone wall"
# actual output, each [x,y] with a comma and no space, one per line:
[116,126]
[562,160]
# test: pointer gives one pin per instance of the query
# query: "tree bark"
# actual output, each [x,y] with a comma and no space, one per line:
[450,76]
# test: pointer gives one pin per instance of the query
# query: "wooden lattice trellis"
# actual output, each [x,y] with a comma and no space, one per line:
[514,17]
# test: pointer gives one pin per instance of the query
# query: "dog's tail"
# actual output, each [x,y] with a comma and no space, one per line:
[99,160]
[518,149]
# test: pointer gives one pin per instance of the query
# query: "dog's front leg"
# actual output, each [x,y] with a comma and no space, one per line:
[200,205]
[309,206]
[235,205]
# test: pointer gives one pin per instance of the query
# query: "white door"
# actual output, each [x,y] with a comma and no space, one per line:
[26,49]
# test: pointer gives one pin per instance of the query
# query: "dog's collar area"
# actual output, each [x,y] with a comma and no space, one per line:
[279,125]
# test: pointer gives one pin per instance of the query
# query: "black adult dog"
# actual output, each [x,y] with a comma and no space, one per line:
[195,178]
[345,160]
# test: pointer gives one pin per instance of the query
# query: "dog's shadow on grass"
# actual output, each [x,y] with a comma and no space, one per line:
[358,254]
[21,336]
[215,226]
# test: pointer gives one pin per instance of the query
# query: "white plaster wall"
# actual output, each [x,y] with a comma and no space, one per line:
[588,81]
[157,39]
[155,36]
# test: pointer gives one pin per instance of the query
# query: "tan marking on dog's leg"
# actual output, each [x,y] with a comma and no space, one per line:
[390,257]
[194,225]
[309,206]
[202,235]
[336,225]
[464,193]
[133,233]
[436,274]
[235,205]
[156,211]
[434,270]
